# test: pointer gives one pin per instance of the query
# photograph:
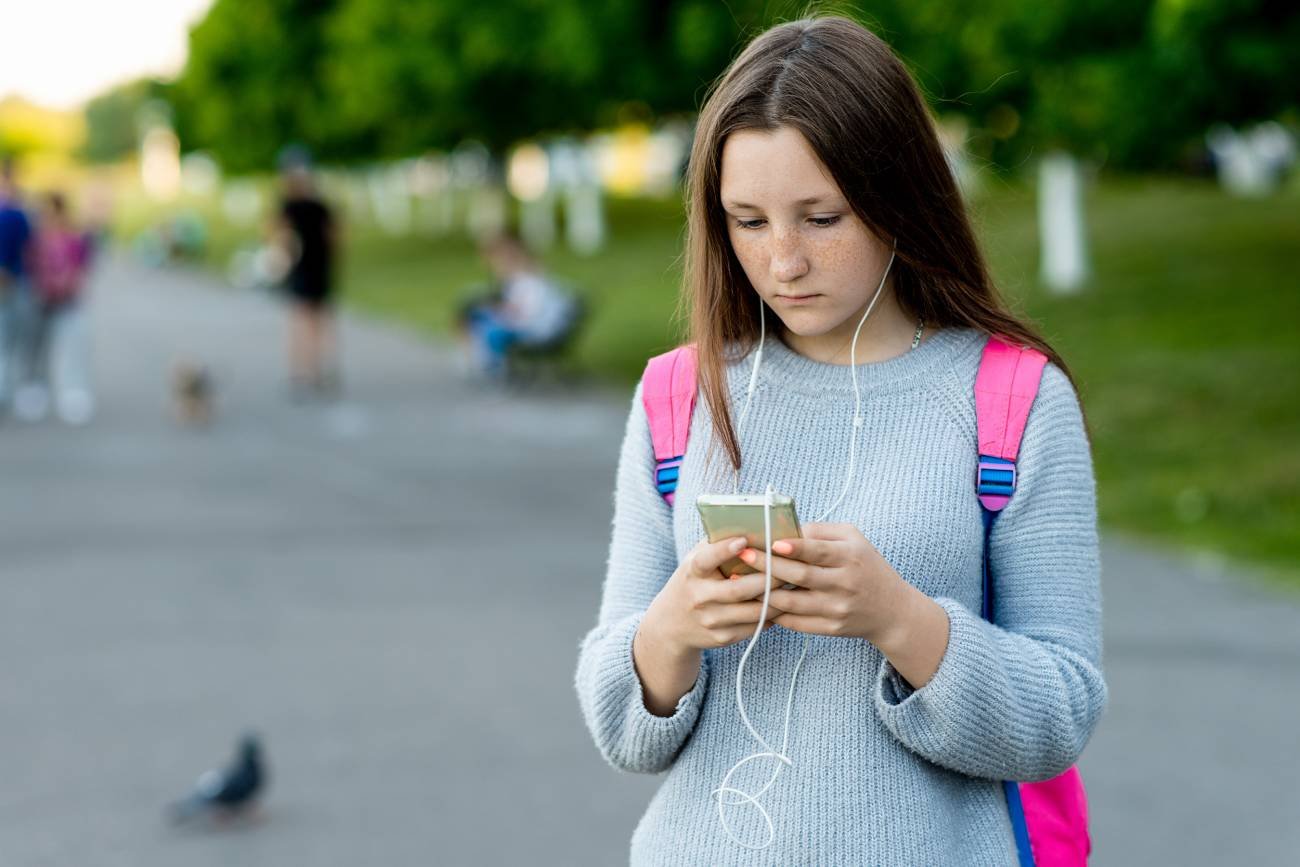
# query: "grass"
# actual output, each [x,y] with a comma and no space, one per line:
[1185,346]
[1187,352]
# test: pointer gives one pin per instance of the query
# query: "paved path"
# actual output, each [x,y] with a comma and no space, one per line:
[392,592]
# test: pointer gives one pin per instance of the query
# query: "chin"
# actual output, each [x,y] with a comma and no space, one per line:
[807,324]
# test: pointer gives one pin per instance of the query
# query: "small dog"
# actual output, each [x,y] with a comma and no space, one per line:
[192,393]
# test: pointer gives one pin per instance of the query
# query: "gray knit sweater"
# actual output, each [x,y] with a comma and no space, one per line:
[881,774]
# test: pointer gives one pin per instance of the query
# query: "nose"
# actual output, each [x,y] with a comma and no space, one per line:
[788,261]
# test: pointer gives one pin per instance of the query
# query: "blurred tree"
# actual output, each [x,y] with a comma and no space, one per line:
[1126,81]
[412,76]
[360,79]
[26,127]
[1130,82]
[252,82]
[1230,61]
[113,119]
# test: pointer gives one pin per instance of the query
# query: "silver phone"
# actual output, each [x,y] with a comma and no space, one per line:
[726,515]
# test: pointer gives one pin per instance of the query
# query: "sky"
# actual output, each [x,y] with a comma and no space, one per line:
[59,53]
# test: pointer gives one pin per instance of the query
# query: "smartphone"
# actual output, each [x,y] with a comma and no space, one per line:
[726,515]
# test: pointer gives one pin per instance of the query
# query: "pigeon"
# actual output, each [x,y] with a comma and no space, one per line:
[228,792]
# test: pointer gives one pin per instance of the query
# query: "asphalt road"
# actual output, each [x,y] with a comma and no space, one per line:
[391,590]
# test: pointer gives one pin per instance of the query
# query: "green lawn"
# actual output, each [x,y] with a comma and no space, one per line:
[1187,352]
[1186,345]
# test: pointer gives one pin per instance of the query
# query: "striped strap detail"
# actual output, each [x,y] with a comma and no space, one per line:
[1005,388]
[666,472]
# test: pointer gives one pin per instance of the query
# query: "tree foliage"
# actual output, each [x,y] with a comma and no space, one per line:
[1128,80]
[113,119]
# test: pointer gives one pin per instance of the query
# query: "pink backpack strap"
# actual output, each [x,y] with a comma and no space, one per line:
[1050,818]
[1005,388]
[668,393]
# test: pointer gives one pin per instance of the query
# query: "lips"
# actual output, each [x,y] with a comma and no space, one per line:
[798,299]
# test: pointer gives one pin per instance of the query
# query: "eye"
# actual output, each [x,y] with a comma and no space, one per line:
[824,222]
[750,224]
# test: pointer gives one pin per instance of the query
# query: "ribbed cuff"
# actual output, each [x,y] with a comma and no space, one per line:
[639,739]
[917,716]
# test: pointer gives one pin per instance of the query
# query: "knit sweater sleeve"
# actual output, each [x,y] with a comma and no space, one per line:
[642,556]
[1019,700]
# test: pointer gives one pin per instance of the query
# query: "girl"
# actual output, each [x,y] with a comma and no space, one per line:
[60,258]
[821,208]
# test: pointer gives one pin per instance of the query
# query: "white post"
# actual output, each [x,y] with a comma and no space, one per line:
[537,222]
[584,207]
[390,200]
[1061,223]
[488,210]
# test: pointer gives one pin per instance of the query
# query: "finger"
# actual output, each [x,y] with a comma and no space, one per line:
[827,532]
[801,602]
[789,571]
[814,551]
[741,588]
[737,634]
[708,556]
[809,624]
[736,614]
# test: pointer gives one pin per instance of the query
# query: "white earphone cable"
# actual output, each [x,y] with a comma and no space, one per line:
[727,794]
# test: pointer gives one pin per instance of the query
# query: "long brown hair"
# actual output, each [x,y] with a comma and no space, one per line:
[847,93]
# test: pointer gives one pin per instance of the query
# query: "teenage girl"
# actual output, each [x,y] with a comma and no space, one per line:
[831,265]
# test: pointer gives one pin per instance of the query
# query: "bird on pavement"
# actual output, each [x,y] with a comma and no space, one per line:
[228,792]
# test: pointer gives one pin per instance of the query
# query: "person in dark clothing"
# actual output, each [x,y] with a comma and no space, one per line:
[15,295]
[306,228]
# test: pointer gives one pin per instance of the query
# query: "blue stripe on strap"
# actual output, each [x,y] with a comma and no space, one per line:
[1016,810]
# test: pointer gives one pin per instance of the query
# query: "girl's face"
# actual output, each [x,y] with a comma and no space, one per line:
[801,245]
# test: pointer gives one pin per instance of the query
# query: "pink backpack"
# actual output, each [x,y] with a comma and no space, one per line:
[1049,818]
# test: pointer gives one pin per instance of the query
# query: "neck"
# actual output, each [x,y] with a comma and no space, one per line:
[886,334]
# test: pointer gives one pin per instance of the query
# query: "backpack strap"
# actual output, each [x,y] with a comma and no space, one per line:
[668,393]
[1005,388]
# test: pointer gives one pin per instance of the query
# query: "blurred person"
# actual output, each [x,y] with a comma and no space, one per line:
[58,361]
[526,306]
[952,646]
[15,294]
[306,229]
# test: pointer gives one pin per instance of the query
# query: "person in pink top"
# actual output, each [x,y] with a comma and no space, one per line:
[60,257]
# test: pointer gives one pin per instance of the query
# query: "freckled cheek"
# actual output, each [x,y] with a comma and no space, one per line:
[751,253]
[834,255]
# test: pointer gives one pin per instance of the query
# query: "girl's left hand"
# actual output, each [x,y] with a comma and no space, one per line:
[846,588]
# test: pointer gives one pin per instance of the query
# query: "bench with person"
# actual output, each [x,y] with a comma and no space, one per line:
[526,321]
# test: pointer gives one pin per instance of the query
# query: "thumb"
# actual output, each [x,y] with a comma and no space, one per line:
[708,556]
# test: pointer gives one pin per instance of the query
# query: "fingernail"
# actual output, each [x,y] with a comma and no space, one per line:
[749,556]
[736,545]
[783,547]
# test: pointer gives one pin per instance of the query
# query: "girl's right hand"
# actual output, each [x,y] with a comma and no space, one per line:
[700,608]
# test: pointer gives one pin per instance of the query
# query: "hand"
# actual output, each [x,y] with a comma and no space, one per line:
[699,608]
[846,588]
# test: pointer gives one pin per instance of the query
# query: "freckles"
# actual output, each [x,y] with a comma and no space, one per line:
[837,253]
[747,250]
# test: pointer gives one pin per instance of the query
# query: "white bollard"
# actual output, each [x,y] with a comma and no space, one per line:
[1064,258]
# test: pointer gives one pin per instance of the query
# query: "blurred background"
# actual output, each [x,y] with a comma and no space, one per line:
[346,560]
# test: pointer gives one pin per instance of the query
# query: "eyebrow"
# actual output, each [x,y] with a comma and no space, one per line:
[813,200]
